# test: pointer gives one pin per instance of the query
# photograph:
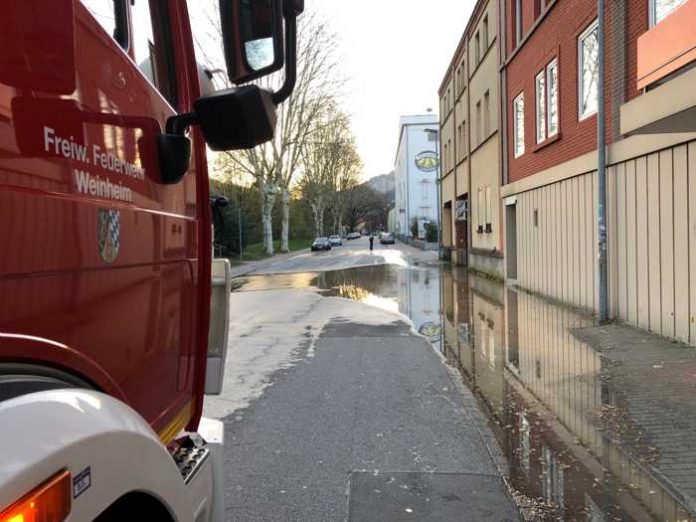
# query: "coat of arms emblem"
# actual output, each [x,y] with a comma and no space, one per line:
[109,234]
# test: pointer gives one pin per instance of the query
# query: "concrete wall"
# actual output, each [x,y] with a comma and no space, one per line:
[401,189]
[556,246]
[448,204]
[651,212]
[423,187]
[447,225]
[485,210]
[447,136]
[416,191]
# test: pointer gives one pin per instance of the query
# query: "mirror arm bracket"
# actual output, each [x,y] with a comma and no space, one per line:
[179,123]
[174,148]
[291,56]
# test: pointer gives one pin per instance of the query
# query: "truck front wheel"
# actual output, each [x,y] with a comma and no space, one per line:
[135,506]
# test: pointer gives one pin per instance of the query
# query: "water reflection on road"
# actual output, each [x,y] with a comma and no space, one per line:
[577,443]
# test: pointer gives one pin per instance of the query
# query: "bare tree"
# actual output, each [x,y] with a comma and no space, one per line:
[330,165]
[346,180]
[274,165]
[363,203]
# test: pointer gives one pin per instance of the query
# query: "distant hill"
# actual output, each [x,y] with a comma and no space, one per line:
[383,184]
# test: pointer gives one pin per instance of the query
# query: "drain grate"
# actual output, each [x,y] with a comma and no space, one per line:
[441,497]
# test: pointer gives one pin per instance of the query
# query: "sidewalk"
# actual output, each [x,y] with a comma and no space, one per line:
[336,411]
[650,404]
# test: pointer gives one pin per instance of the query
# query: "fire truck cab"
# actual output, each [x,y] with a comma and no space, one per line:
[107,282]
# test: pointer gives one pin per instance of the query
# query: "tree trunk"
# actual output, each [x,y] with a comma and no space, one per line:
[267,205]
[285,229]
[318,215]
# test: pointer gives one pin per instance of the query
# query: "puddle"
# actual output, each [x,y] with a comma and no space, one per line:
[588,434]
[411,291]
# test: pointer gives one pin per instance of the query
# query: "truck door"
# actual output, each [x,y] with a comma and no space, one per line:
[105,254]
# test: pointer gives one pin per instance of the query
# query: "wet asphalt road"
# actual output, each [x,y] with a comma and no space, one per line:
[351,254]
[336,410]
[356,418]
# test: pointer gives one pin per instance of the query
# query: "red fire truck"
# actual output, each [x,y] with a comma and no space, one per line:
[113,314]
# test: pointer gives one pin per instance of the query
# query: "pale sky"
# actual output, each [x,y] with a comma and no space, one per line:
[395,54]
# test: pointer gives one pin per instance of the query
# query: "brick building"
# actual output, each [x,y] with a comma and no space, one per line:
[549,183]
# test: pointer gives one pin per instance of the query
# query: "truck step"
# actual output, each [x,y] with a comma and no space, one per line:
[189,459]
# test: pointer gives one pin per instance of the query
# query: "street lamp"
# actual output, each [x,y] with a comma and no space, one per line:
[438,186]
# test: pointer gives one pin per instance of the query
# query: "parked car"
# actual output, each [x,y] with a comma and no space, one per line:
[335,241]
[386,238]
[321,243]
[353,235]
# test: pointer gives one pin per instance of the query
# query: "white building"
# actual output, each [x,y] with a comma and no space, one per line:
[416,173]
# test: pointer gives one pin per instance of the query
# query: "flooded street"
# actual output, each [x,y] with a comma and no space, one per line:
[596,423]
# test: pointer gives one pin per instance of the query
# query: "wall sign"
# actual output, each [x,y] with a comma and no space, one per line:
[461,209]
[427,161]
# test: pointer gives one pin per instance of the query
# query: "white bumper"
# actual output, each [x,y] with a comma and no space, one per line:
[92,433]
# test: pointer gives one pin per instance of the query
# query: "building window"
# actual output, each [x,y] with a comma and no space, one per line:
[588,55]
[485,33]
[552,98]
[153,48]
[518,21]
[479,211]
[518,125]
[451,152]
[489,203]
[112,16]
[479,127]
[546,91]
[540,83]
[661,9]
[486,115]
[460,131]
[446,156]
[477,48]
[462,77]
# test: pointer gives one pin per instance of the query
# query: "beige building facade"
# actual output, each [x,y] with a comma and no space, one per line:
[471,147]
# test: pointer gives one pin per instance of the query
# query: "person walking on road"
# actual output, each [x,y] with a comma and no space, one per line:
[372,242]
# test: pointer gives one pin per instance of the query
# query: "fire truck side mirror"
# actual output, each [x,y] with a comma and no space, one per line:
[253,32]
[237,118]
[245,116]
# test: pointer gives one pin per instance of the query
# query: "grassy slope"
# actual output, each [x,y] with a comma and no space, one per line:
[255,252]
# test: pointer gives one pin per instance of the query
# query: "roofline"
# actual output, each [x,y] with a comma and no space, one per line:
[473,18]
[401,133]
